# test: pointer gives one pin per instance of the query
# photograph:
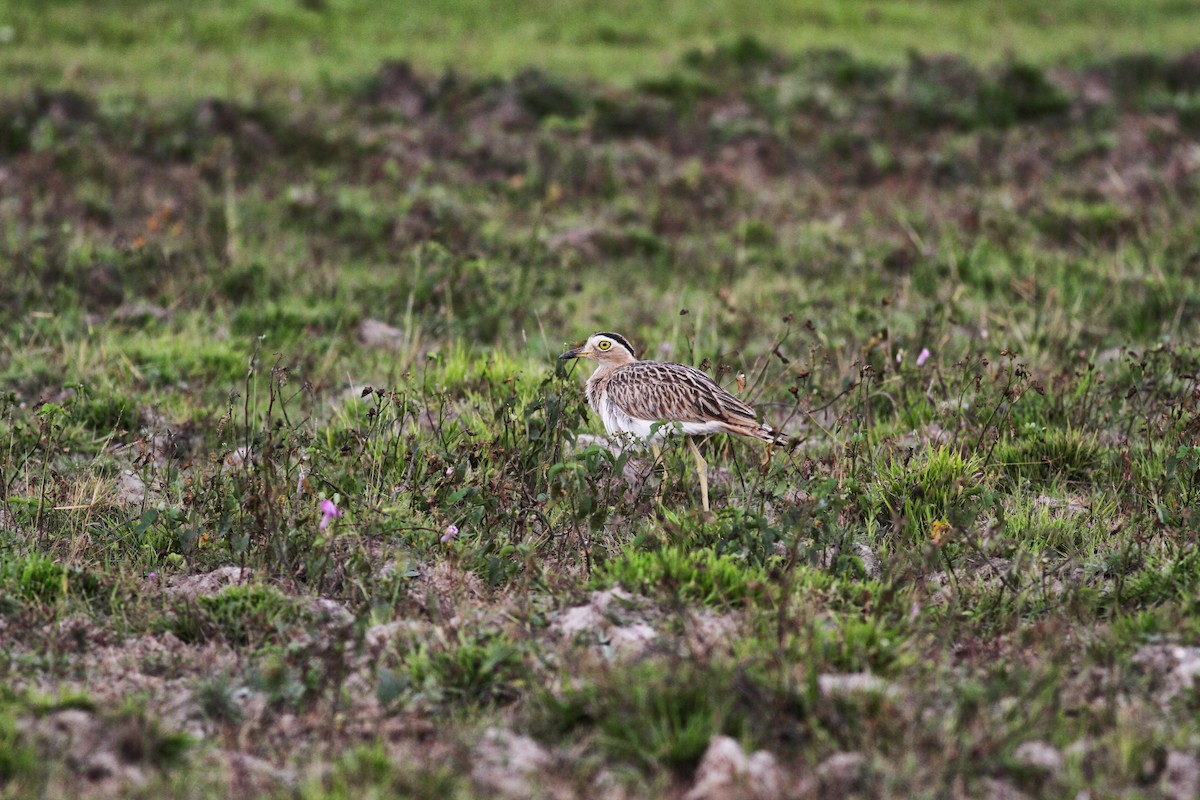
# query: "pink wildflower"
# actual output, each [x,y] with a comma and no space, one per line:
[329,512]
[451,532]
[923,356]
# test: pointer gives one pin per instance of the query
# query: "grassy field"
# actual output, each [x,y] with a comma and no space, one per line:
[246,48]
[294,503]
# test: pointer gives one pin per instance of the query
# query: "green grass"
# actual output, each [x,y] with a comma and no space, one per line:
[965,286]
[239,49]
[689,574]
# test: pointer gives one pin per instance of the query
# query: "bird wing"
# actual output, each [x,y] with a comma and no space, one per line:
[660,390]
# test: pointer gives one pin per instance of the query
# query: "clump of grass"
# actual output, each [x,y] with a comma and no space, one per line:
[369,770]
[1169,479]
[1072,221]
[216,697]
[544,95]
[913,491]
[851,643]
[651,715]
[140,738]
[1020,93]
[241,615]
[35,577]
[1046,453]
[686,573]
[21,767]
[483,669]
[1172,578]
[107,411]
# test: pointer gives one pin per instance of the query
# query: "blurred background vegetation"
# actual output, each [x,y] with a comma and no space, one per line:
[235,48]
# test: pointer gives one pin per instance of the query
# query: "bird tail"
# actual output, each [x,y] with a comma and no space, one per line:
[769,434]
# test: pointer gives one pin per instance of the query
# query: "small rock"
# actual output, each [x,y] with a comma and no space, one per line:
[722,771]
[584,239]
[631,639]
[842,773]
[795,496]
[842,685]
[332,612]
[1039,756]
[709,631]
[255,775]
[378,637]
[140,314]
[726,773]
[100,764]
[131,489]
[869,560]
[1002,790]
[1072,506]
[1181,778]
[578,619]
[600,618]
[373,333]
[766,781]
[70,726]
[443,585]
[505,763]
[1175,666]
[602,600]
[209,582]
[1183,677]
[91,749]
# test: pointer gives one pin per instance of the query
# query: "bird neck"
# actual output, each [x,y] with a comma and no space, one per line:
[606,368]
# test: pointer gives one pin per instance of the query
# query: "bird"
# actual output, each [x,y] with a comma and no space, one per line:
[635,398]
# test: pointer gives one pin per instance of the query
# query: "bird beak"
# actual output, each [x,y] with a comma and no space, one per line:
[560,366]
[575,352]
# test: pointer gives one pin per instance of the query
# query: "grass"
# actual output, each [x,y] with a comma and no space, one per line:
[965,287]
[239,49]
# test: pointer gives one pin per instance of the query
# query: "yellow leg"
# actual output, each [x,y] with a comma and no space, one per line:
[701,473]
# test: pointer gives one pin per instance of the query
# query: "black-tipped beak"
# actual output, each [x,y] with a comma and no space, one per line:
[560,366]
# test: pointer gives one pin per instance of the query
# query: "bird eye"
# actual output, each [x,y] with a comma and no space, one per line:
[604,345]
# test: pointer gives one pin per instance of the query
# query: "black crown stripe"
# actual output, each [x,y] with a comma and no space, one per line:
[619,339]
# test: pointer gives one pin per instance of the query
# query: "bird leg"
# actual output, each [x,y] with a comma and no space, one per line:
[701,473]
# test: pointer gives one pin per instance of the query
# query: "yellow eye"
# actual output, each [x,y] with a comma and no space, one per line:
[604,345]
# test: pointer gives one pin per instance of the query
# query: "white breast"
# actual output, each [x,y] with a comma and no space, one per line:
[617,421]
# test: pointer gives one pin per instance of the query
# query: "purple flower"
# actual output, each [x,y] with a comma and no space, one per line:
[923,356]
[153,576]
[451,532]
[329,512]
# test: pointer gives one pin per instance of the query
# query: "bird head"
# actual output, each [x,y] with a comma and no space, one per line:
[610,349]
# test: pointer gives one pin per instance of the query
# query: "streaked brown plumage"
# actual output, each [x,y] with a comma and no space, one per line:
[664,391]
[631,396]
